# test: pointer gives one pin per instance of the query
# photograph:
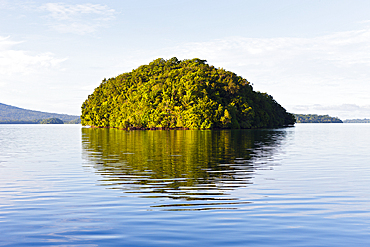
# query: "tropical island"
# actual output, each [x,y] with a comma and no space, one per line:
[181,94]
[314,118]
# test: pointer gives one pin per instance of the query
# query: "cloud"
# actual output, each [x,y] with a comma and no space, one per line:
[6,43]
[15,62]
[79,19]
[339,50]
[327,69]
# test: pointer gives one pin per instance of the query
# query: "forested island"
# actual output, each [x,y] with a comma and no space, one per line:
[365,120]
[314,118]
[186,94]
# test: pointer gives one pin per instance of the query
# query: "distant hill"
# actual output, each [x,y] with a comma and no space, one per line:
[313,118]
[12,114]
[365,120]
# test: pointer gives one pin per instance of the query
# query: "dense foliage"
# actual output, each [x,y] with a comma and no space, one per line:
[51,121]
[12,114]
[75,121]
[313,118]
[181,94]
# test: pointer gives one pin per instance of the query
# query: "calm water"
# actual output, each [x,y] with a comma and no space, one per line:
[304,186]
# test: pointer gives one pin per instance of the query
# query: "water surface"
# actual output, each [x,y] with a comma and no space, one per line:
[66,185]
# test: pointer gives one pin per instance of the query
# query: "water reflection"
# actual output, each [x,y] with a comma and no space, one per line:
[199,168]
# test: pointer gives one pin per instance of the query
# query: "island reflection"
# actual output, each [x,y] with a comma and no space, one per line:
[190,165]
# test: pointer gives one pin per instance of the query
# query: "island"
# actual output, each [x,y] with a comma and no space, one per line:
[181,94]
[314,118]
[365,120]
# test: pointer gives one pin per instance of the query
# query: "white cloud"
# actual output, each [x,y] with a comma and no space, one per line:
[79,18]
[329,69]
[339,49]
[14,61]
[6,43]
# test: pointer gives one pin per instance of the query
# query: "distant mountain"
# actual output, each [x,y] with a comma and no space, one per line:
[365,120]
[14,114]
[313,118]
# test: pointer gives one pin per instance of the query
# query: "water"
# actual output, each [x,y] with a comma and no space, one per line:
[65,185]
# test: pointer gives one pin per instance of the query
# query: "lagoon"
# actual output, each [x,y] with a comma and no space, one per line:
[64,185]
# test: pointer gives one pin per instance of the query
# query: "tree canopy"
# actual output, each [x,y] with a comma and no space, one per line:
[52,121]
[314,118]
[176,93]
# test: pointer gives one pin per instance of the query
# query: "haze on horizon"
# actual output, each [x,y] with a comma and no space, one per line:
[311,56]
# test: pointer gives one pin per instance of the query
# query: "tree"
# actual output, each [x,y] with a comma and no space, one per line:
[51,121]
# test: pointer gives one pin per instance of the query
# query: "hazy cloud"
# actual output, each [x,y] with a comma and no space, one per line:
[79,18]
[328,69]
[14,61]
[339,50]
[6,43]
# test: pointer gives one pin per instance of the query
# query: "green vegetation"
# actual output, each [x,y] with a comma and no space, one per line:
[365,120]
[186,94]
[15,115]
[313,118]
[52,121]
[75,121]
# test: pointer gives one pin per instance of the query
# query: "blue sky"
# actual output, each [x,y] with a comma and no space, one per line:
[311,56]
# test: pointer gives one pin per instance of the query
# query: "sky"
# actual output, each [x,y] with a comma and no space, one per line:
[312,56]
